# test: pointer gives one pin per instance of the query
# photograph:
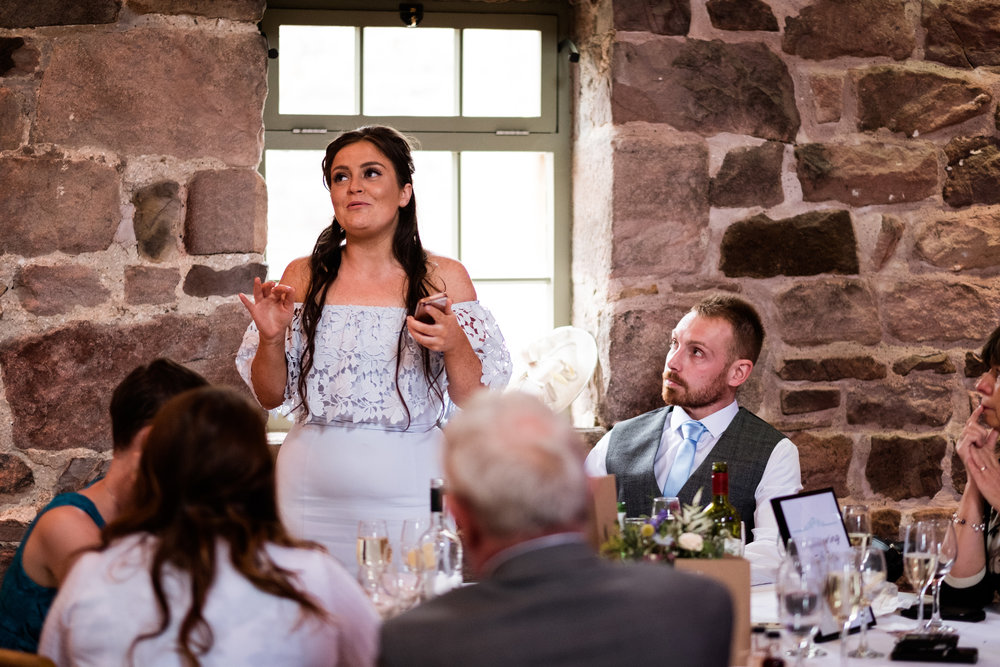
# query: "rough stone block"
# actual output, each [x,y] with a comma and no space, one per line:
[867,173]
[59,383]
[18,56]
[805,245]
[660,191]
[77,199]
[916,99]
[157,220]
[749,176]
[831,369]
[829,29]
[974,365]
[914,403]
[816,313]
[889,234]
[15,475]
[973,171]
[824,460]
[36,13]
[960,240]
[11,530]
[226,212]
[939,363]
[660,17]
[798,401]
[147,284]
[13,120]
[962,34]
[234,10]
[741,15]
[96,92]
[827,96]
[704,87]
[917,312]
[80,472]
[885,523]
[902,468]
[57,289]
[202,281]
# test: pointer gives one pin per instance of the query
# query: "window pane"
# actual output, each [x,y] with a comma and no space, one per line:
[308,56]
[523,311]
[409,72]
[298,206]
[501,73]
[507,214]
[434,188]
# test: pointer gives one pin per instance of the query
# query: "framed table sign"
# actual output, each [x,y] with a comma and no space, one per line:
[813,518]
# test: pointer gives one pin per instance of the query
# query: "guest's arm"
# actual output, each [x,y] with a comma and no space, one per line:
[976,448]
[782,477]
[61,535]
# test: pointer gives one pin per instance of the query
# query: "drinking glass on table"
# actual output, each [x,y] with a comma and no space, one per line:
[871,566]
[411,562]
[920,554]
[374,559]
[671,504]
[947,550]
[842,591]
[807,557]
[800,606]
[858,525]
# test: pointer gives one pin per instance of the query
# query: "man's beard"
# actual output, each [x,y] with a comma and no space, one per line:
[683,397]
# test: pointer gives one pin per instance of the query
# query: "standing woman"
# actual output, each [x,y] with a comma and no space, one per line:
[335,344]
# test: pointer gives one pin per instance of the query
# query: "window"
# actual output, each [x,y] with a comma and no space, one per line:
[485,97]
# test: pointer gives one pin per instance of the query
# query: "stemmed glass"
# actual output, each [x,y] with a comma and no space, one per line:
[947,550]
[411,562]
[871,566]
[671,504]
[806,556]
[374,556]
[800,609]
[858,525]
[920,554]
[843,593]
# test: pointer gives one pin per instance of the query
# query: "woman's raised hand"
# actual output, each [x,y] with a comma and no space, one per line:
[977,449]
[443,335]
[272,308]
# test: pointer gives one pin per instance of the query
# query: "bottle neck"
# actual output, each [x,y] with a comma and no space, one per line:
[437,506]
[720,485]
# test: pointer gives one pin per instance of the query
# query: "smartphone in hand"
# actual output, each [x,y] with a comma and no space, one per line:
[439,301]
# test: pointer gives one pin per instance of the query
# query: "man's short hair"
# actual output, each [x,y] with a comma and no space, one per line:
[139,396]
[748,332]
[516,465]
[990,354]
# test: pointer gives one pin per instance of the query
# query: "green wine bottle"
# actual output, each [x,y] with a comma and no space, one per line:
[728,528]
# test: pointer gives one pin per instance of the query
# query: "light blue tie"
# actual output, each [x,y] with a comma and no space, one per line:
[681,469]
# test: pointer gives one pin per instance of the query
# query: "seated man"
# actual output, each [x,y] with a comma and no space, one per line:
[72,522]
[975,577]
[519,495]
[712,351]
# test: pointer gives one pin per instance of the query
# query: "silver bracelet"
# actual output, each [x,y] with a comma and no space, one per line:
[976,527]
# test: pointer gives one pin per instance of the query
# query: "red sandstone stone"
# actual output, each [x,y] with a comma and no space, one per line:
[226,212]
[962,34]
[15,475]
[824,460]
[147,284]
[827,96]
[816,313]
[660,17]
[901,467]
[236,10]
[13,120]
[921,311]
[960,240]
[916,402]
[828,29]
[52,290]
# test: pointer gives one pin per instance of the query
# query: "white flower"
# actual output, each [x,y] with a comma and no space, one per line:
[690,542]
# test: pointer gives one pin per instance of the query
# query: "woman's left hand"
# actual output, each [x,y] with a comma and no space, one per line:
[444,335]
[982,467]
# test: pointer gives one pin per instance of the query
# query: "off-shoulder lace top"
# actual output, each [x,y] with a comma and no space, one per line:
[353,379]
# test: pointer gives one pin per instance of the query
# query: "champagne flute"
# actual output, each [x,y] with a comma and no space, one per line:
[842,591]
[799,603]
[947,543]
[858,525]
[374,552]
[411,563]
[920,562]
[871,565]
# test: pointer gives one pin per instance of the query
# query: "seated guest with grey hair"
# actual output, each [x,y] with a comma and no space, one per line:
[519,494]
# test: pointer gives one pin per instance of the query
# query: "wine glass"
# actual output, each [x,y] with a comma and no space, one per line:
[947,550]
[411,561]
[671,504]
[374,552]
[858,525]
[842,591]
[799,602]
[920,553]
[872,567]
[804,555]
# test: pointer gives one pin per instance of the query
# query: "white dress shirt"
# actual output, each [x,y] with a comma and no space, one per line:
[781,477]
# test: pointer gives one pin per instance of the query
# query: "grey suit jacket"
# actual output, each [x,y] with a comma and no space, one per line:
[563,606]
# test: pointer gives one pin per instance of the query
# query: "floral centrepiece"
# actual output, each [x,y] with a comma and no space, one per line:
[688,534]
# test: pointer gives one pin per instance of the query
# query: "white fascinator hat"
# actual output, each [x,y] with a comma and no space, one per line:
[556,367]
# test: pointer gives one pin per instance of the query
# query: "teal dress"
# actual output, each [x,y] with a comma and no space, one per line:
[23,603]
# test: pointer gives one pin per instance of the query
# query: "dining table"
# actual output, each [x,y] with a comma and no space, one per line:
[882,636]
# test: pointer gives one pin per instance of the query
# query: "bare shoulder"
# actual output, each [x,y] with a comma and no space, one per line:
[59,537]
[451,276]
[297,275]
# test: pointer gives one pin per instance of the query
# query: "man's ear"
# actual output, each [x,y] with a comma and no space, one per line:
[465,519]
[739,372]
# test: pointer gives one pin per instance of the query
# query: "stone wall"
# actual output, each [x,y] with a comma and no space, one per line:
[836,162]
[131,213]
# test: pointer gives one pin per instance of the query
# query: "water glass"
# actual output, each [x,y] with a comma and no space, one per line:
[799,602]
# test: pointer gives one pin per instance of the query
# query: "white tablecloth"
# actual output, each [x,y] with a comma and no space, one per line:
[984,636]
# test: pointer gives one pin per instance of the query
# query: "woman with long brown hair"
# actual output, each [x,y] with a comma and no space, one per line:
[336,344]
[202,571]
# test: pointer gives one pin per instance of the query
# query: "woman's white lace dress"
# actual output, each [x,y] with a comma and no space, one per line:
[354,452]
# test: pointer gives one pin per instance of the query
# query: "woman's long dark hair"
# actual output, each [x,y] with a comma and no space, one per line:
[324,263]
[206,474]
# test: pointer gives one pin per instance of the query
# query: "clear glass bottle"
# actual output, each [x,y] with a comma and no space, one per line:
[728,525]
[440,549]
